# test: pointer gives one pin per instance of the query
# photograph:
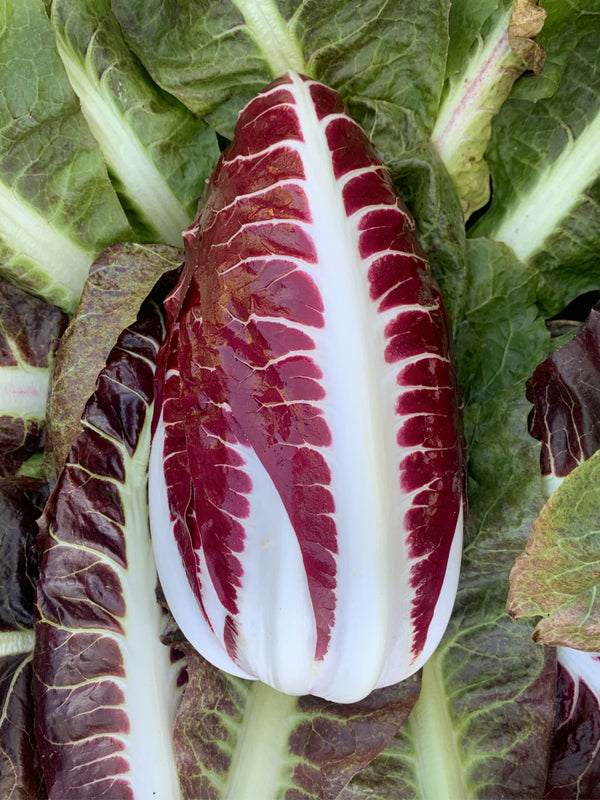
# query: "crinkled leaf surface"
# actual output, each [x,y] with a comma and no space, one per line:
[215,57]
[105,687]
[502,335]
[29,334]
[237,738]
[158,153]
[557,576]
[58,209]
[484,61]
[119,280]
[545,160]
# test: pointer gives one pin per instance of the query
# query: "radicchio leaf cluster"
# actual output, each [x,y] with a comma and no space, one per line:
[306,475]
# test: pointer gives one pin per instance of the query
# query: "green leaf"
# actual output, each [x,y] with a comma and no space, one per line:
[558,575]
[245,741]
[157,152]
[502,336]
[545,160]
[58,209]
[216,56]
[478,86]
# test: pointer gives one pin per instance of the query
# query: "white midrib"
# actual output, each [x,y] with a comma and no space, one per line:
[149,683]
[558,189]
[438,764]
[13,642]
[272,35]
[262,747]
[28,233]
[24,391]
[124,153]
[357,425]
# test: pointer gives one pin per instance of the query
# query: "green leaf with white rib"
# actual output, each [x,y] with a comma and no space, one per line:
[479,81]
[58,209]
[216,56]
[158,153]
[545,161]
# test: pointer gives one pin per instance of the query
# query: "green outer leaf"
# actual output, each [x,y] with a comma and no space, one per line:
[558,576]
[473,96]
[383,51]
[502,336]
[201,52]
[469,23]
[158,153]
[120,279]
[57,206]
[545,160]
[241,740]
[215,56]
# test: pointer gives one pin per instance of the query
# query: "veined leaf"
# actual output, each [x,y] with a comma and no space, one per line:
[545,160]
[502,336]
[242,740]
[157,152]
[105,687]
[557,576]
[58,209]
[119,280]
[215,57]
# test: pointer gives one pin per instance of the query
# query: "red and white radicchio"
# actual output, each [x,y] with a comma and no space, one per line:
[306,480]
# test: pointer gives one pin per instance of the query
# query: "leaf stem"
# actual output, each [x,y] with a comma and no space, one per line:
[262,746]
[438,765]
[273,36]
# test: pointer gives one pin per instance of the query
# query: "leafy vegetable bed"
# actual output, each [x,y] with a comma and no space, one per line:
[112,119]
